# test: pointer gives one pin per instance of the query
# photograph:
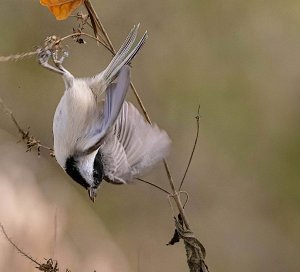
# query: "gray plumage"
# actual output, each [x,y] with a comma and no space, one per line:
[133,146]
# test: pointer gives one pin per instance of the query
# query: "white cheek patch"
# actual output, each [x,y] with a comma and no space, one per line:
[85,165]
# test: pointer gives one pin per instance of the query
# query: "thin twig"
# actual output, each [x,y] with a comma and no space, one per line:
[17,57]
[84,20]
[95,19]
[187,197]
[77,34]
[17,248]
[141,104]
[194,147]
[9,112]
[49,266]
[31,141]
[154,185]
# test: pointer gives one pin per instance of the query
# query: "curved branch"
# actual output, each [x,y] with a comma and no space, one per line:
[194,147]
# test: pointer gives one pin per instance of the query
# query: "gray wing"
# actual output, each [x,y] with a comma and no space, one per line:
[114,99]
[133,147]
[123,57]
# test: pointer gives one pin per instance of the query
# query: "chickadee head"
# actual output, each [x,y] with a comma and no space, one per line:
[86,171]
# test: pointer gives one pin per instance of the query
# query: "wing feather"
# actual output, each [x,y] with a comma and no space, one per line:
[115,96]
[133,147]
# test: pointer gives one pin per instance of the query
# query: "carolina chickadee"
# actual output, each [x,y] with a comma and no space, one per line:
[109,140]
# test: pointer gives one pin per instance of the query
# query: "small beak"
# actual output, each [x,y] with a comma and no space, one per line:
[92,193]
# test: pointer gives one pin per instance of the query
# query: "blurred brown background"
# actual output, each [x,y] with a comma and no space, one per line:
[241,61]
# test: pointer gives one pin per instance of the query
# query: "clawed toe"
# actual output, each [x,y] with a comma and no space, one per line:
[59,60]
[44,56]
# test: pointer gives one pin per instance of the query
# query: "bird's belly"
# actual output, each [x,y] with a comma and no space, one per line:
[71,123]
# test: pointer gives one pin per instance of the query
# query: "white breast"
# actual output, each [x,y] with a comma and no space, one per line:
[74,118]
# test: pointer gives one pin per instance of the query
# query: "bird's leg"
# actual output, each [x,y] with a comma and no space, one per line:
[43,58]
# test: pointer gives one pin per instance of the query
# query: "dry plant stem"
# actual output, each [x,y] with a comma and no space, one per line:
[29,139]
[49,266]
[17,57]
[99,24]
[175,194]
[194,147]
[154,185]
[8,111]
[17,248]
[140,103]
[76,34]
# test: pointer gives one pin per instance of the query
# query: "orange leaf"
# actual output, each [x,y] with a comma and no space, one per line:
[61,8]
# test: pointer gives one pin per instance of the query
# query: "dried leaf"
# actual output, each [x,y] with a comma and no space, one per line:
[195,251]
[61,9]
[80,41]
[175,239]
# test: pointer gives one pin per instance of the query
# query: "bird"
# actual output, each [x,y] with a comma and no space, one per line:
[98,139]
